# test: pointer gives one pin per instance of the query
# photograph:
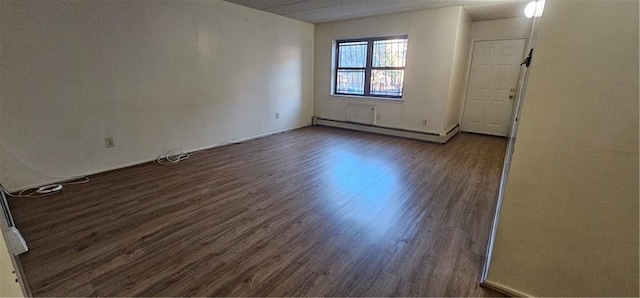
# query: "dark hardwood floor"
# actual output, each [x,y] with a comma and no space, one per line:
[312,212]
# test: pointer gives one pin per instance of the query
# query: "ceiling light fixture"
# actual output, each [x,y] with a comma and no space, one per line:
[534,8]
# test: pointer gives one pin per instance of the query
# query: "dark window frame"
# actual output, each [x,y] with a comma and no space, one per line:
[368,67]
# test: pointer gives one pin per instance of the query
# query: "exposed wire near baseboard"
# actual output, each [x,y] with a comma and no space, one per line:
[43,190]
[172,156]
[177,155]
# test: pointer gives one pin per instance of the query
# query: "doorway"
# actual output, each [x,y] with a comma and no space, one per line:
[492,86]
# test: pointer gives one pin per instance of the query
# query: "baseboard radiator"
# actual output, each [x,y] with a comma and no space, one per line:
[361,126]
[362,114]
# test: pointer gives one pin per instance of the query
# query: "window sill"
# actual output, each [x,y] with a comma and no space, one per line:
[368,97]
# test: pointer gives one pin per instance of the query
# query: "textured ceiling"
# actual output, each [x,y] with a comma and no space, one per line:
[504,10]
[321,11]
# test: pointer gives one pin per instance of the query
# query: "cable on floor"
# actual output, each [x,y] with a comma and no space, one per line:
[43,190]
[172,156]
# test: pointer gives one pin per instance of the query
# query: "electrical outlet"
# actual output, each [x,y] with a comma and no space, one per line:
[109,142]
[277,115]
[424,122]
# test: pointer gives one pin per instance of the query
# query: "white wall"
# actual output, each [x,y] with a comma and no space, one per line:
[501,29]
[155,75]
[430,57]
[569,222]
[458,71]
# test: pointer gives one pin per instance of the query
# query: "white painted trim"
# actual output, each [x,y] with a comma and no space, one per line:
[417,135]
[450,128]
[507,159]
[135,163]
[450,133]
[504,289]
[486,133]
[389,99]
[496,217]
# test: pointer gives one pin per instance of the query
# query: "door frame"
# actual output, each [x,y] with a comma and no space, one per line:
[467,77]
[515,121]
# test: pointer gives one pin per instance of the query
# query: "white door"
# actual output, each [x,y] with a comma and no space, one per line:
[493,78]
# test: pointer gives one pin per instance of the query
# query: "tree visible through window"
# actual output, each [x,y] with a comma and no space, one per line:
[371,67]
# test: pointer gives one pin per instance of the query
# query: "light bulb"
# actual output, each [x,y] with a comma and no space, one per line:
[534,8]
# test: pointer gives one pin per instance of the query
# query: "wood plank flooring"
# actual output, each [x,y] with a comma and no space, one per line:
[312,212]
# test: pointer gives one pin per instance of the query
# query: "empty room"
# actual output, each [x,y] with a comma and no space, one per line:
[409,148]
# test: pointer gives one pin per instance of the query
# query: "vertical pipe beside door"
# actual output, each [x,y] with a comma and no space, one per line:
[522,86]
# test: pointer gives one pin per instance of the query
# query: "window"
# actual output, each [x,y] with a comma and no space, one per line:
[371,67]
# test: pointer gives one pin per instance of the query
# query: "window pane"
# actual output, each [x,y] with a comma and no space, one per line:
[350,81]
[352,54]
[389,53]
[387,82]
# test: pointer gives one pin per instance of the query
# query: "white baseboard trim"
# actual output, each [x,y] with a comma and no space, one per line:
[450,128]
[135,163]
[450,133]
[417,135]
[502,289]
[486,133]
